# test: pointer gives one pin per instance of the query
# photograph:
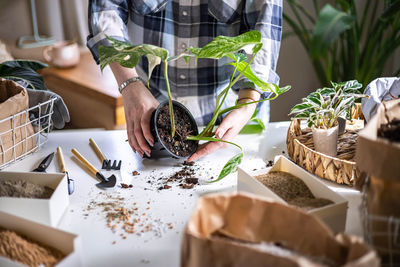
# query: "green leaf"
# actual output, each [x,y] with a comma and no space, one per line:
[223,45]
[240,57]
[330,24]
[248,73]
[230,166]
[252,129]
[128,55]
[153,62]
[33,79]
[29,64]
[282,90]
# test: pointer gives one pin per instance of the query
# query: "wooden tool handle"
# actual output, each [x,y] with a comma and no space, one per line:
[97,150]
[61,160]
[84,161]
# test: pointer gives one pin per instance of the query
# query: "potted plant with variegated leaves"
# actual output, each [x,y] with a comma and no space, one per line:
[129,55]
[322,110]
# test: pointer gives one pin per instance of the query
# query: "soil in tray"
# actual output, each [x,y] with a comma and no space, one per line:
[26,251]
[292,189]
[20,188]
[390,130]
[183,127]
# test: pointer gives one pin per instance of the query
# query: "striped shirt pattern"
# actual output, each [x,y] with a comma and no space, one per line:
[178,24]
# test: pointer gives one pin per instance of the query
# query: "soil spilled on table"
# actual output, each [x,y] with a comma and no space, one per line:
[390,131]
[183,128]
[26,251]
[292,189]
[20,188]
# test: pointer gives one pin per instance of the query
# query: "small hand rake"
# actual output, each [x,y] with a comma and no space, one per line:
[116,165]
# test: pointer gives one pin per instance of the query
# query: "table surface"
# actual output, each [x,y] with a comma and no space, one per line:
[161,246]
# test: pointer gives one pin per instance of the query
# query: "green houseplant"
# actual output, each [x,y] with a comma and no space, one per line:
[322,109]
[128,56]
[349,40]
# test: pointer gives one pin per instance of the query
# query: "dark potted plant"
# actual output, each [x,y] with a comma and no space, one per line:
[128,56]
[322,109]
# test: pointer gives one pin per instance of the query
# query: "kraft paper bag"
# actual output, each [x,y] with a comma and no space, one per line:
[378,156]
[380,159]
[245,230]
[14,99]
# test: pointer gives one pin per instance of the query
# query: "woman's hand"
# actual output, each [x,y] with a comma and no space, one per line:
[139,104]
[231,124]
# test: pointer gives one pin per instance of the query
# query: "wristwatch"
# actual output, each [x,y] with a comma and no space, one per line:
[128,82]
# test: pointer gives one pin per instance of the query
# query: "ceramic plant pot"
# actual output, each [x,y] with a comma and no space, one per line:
[342,125]
[325,141]
[161,148]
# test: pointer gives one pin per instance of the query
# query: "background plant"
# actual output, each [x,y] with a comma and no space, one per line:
[129,55]
[323,107]
[349,40]
[24,72]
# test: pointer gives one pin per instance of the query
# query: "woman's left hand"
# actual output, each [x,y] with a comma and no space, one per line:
[228,129]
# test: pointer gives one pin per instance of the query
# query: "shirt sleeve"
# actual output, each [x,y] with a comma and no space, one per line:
[106,17]
[266,17]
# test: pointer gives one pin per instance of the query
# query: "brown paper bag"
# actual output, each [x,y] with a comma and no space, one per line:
[16,134]
[244,230]
[380,159]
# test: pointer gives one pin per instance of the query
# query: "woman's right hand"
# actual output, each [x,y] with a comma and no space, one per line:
[139,104]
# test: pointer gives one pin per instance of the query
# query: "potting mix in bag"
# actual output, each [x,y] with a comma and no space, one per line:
[378,154]
[16,133]
[244,230]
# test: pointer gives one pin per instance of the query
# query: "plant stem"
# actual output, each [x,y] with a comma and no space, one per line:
[245,104]
[171,109]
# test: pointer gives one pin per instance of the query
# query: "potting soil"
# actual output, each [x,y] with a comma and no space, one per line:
[20,188]
[27,251]
[292,189]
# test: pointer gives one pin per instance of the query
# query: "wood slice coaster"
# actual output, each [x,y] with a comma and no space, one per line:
[341,169]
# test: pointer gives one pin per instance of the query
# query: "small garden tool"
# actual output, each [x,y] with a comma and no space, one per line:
[105,182]
[106,162]
[45,163]
[71,185]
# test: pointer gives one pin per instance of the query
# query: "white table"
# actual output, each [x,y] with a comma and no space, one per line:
[174,205]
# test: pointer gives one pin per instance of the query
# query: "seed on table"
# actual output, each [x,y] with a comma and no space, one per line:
[114,226]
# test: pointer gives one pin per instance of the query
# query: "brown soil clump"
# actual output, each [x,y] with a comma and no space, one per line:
[292,189]
[23,250]
[20,188]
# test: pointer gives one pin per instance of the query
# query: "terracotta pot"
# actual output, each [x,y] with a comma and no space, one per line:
[325,141]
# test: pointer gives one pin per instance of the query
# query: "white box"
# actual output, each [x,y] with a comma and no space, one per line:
[46,211]
[67,243]
[334,215]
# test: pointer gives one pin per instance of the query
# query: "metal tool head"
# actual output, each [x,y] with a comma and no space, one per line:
[71,184]
[45,163]
[106,182]
[116,165]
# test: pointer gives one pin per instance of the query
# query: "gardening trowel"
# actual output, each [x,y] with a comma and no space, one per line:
[105,182]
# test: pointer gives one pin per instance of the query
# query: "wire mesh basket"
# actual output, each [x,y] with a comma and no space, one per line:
[381,232]
[25,132]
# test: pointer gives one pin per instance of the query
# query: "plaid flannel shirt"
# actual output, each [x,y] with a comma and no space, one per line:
[178,24]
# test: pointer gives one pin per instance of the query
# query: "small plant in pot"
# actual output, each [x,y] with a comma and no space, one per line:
[322,110]
[229,47]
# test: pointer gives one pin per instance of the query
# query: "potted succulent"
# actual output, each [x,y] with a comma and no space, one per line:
[129,55]
[322,110]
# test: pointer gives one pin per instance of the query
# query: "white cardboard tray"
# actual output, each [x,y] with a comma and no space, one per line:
[67,243]
[334,215]
[46,211]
